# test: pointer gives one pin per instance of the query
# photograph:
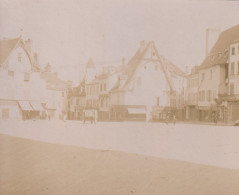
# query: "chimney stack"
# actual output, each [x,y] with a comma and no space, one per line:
[212,35]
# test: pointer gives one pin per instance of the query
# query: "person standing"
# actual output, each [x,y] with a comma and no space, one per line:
[174,119]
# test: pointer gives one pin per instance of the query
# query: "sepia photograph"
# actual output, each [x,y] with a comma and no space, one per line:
[119,97]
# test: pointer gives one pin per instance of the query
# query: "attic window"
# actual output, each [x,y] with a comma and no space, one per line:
[219,54]
[212,57]
[19,57]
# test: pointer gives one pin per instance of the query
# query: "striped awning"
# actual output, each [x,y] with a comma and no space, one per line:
[36,106]
[25,106]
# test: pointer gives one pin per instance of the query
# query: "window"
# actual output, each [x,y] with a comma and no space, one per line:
[209,96]
[11,73]
[203,76]
[203,95]
[232,89]
[233,50]
[214,95]
[155,67]
[19,57]
[232,68]
[210,74]
[5,113]
[26,76]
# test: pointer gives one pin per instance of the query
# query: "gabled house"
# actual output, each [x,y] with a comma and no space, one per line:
[55,101]
[149,87]
[107,80]
[76,102]
[214,75]
[21,88]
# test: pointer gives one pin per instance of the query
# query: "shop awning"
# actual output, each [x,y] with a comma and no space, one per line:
[136,111]
[25,106]
[36,106]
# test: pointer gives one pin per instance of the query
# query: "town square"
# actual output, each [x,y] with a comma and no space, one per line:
[119,97]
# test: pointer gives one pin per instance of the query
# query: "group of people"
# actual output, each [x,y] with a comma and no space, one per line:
[168,116]
[89,117]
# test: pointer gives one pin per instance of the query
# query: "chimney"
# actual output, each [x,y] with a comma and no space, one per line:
[212,35]
[28,45]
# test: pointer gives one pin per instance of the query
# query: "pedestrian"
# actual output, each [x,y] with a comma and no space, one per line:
[174,119]
[166,119]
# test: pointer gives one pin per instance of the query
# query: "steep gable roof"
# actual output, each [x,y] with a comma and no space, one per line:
[217,55]
[167,67]
[6,48]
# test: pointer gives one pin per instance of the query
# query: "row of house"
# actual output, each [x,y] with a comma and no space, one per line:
[213,87]
[148,87]
[27,91]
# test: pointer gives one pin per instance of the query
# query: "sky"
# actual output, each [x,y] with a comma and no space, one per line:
[68,33]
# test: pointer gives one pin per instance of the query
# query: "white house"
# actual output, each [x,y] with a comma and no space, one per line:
[21,87]
[149,85]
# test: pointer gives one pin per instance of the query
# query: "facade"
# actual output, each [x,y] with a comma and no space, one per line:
[149,87]
[191,95]
[92,99]
[76,102]
[233,82]
[22,90]
[55,101]
[217,81]
[107,80]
